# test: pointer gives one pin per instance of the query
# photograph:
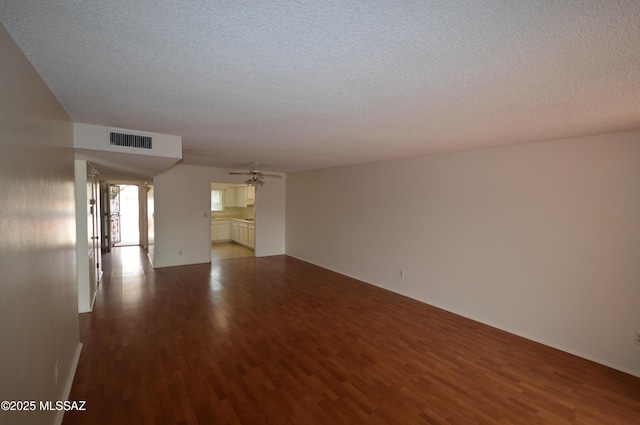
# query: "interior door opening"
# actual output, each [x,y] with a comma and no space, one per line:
[124,215]
[233,225]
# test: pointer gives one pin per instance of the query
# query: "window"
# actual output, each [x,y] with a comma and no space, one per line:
[217,199]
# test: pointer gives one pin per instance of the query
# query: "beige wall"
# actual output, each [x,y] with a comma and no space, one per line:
[38,293]
[234,212]
[86,290]
[542,239]
[151,226]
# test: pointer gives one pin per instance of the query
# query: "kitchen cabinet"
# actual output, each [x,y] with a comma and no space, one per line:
[251,195]
[243,232]
[234,230]
[244,196]
[230,197]
[220,230]
[224,230]
[251,235]
[241,197]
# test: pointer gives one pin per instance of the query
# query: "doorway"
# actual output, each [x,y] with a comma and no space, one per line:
[233,225]
[124,215]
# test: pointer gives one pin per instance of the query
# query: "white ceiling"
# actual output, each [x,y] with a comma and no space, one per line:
[309,84]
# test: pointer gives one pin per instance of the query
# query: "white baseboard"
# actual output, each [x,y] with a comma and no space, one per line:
[69,383]
[150,260]
[475,319]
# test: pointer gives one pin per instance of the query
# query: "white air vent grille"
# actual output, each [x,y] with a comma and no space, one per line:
[130,140]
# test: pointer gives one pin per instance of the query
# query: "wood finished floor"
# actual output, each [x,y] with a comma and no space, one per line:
[278,341]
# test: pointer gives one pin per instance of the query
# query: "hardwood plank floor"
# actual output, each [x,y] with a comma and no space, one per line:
[278,341]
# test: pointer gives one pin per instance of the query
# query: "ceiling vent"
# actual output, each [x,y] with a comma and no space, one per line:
[130,140]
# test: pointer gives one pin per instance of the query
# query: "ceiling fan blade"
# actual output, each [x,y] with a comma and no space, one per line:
[256,174]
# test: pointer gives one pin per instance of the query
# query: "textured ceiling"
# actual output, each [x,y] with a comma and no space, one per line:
[309,84]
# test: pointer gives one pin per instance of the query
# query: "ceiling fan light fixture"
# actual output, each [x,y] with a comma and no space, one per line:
[257,177]
[255,181]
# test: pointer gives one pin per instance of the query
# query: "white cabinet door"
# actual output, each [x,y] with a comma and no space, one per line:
[234,231]
[224,230]
[251,236]
[243,234]
[251,195]
[230,197]
[241,196]
[220,230]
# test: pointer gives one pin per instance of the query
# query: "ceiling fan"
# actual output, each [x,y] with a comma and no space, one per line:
[257,176]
